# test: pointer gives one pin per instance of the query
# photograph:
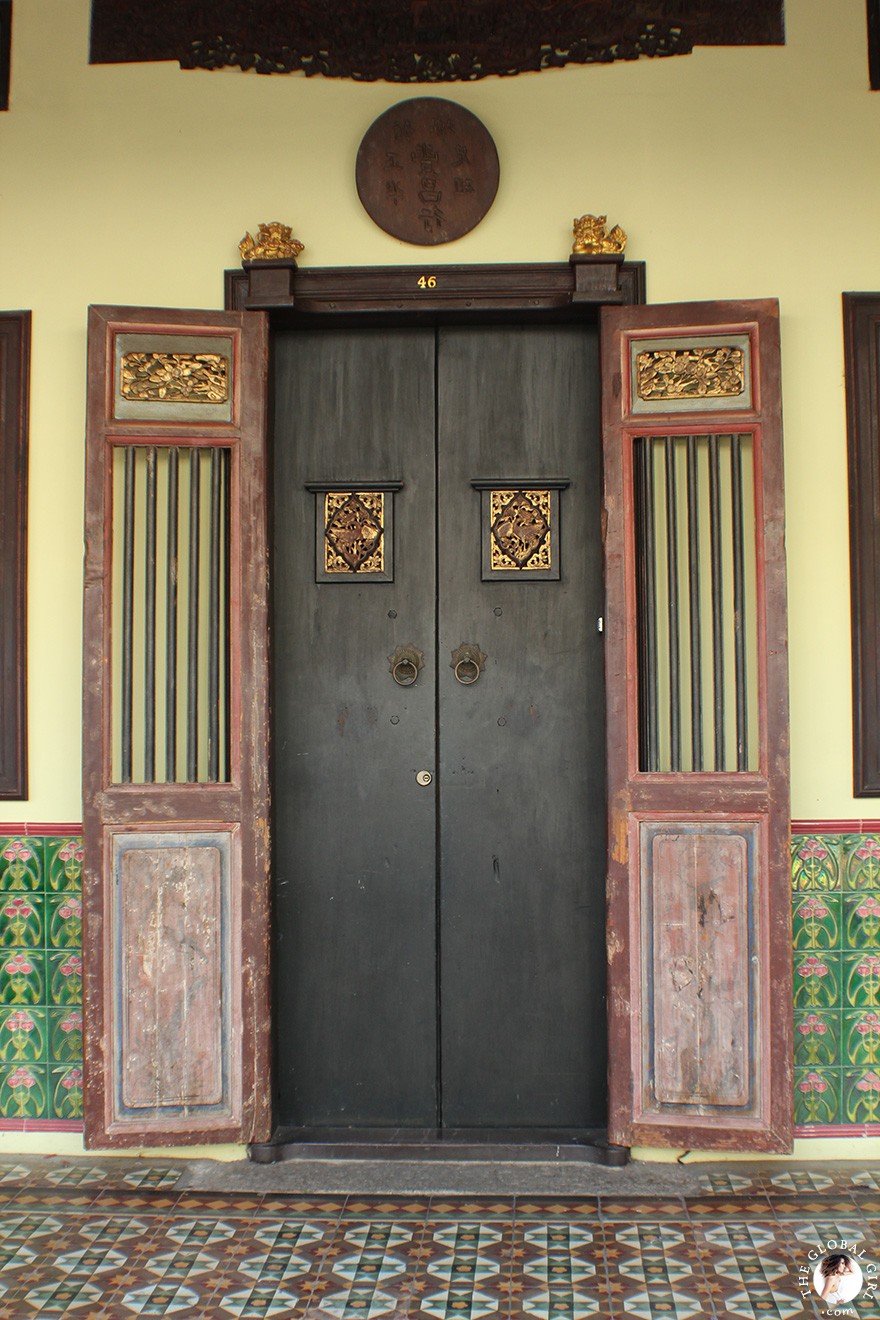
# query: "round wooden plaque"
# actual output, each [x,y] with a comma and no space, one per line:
[427,171]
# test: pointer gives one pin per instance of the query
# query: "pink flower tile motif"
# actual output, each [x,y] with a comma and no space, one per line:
[65,972]
[64,865]
[863,921]
[67,1093]
[861,973]
[21,921]
[816,921]
[816,981]
[862,1037]
[65,921]
[22,1035]
[861,1096]
[862,869]
[22,1092]
[814,863]
[816,1096]
[22,977]
[816,1039]
[19,865]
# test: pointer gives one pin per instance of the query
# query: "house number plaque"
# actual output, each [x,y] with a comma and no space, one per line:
[427,171]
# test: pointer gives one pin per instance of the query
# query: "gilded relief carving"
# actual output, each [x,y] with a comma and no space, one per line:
[174,377]
[520,530]
[593,238]
[354,528]
[691,373]
[274,242]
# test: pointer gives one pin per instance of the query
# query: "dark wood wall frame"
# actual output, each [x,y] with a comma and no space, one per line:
[15,337]
[861,337]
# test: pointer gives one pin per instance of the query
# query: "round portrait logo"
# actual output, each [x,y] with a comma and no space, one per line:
[840,1275]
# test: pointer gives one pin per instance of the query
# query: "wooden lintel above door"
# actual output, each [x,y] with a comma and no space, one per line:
[437,291]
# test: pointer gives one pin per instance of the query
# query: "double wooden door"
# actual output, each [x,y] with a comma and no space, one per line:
[439,843]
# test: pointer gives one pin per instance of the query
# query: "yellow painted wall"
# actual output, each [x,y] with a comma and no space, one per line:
[736,172]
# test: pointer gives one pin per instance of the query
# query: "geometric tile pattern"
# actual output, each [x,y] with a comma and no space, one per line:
[98,1247]
[836,937]
[40,979]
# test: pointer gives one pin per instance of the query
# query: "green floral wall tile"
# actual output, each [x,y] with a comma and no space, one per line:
[65,1035]
[817,980]
[24,1091]
[817,1095]
[66,1087]
[861,980]
[23,1035]
[861,1095]
[862,865]
[40,978]
[21,920]
[816,1038]
[64,917]
[815,862]
[861,1037]
[64,862]
[816,920]
[20,865]
[861,921]
[23,976]
[836,949]
[65,978]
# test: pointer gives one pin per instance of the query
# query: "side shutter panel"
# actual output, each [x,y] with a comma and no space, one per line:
[700,998]
[175,803]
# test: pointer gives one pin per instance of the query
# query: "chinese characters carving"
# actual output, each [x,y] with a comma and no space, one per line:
[427,171]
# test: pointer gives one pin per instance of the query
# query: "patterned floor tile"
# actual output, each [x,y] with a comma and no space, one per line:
[760,1305]
[803,1181]
[161,1299]
[134,1246]
[257,1301]
[581,1207]
[149,1177]
[718,1181]
[559,1302]
[643,1207]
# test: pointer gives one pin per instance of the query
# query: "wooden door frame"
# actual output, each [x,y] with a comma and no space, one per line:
[337,297]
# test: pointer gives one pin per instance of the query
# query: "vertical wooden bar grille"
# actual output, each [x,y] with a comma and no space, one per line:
[696,590]
[170,614]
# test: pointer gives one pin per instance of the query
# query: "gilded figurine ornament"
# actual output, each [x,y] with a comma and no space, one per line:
[274,242]
[592,237]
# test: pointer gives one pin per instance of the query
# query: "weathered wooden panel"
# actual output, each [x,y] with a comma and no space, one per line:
[173,967]
[717,1071]
[696,884]
[170,933]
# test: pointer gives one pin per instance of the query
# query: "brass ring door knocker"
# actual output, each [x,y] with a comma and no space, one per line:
[405,664]
[467,662]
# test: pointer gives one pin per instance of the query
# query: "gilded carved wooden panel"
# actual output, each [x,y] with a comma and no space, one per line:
[520,529]
[354,531]
[173,378]
[691,374]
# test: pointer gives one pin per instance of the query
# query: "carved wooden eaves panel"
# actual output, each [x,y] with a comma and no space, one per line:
[434,41]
